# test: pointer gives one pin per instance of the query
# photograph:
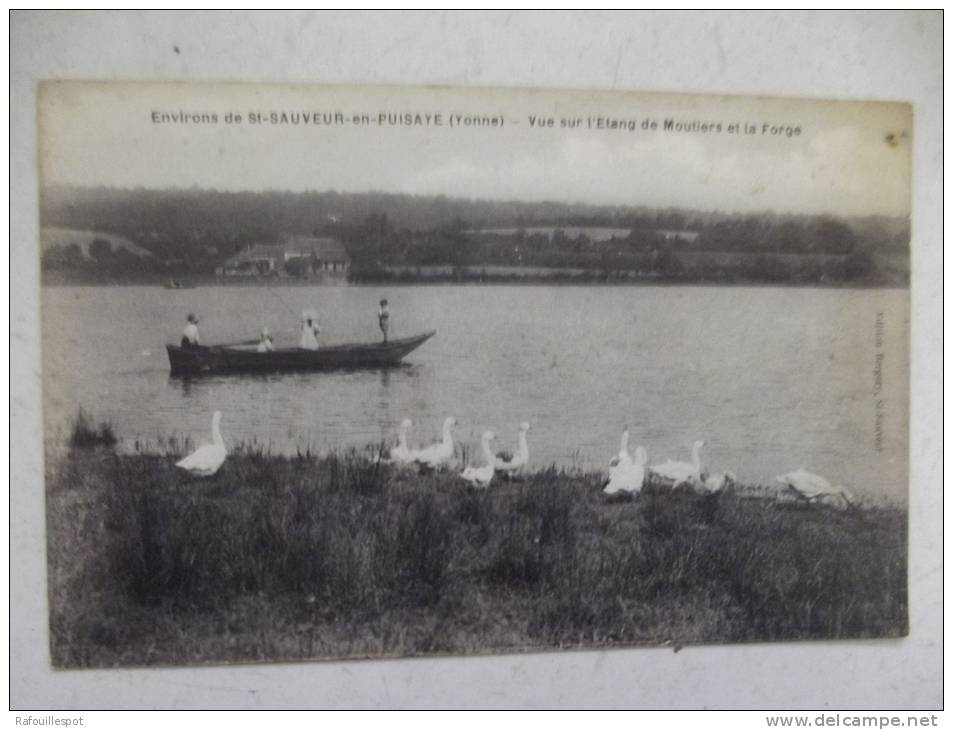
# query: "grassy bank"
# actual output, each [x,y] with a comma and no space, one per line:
[288,558]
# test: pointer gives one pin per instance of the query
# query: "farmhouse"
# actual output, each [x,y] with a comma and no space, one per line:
[300,256]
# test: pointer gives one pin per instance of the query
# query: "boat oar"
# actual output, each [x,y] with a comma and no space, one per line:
[236,344]
[243,342]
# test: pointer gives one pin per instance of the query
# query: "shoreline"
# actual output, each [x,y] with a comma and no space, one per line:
[428,281]
[335,556]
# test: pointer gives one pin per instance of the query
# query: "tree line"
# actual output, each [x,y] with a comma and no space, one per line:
[195,231]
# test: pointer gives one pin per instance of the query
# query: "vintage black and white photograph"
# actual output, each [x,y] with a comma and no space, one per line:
[346,372]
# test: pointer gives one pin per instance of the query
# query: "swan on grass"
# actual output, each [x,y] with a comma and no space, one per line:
[481,476]
[623,456]
[715,483]
[401,453]
[520,460]
[682,472]
[438,454]
[207,459]
[813,488]
[627,475]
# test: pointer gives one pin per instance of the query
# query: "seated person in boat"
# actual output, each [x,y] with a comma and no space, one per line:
[383,318]
[309,331]
[266,344]
[190,335]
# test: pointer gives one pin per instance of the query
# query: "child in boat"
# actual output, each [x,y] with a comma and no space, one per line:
[190,335]
[309,331]
[266,344]
[383,318]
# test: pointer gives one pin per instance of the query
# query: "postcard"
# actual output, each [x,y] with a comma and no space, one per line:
[344,372]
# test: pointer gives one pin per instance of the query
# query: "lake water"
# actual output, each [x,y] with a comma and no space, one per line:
[771,378]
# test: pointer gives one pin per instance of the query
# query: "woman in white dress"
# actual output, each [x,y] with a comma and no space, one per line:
[309,331]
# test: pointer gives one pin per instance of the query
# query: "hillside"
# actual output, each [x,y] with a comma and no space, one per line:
[63,237]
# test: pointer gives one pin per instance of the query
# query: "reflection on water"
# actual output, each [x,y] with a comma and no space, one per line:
[186,384]
[771,379]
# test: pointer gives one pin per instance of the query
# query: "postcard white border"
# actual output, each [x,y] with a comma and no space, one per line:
[856,55]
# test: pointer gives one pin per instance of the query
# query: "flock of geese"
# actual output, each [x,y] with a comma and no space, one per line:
[626,474]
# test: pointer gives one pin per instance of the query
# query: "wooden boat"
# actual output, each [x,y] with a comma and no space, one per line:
[223,359]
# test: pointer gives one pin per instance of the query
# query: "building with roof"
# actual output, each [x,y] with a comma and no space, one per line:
[297,256]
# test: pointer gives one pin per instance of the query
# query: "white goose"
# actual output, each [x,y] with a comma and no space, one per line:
[207,459]
[715,483]
[682,472]
[401,453]
[627,475]
[438,454]
[623,457]
[521,459]
[482,476]
[813,488]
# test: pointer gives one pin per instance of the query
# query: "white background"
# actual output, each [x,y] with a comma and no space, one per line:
[887,56]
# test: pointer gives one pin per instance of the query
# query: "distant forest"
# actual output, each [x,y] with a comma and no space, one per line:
[190,233]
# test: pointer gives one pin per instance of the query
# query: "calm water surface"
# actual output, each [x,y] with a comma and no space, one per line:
[771,378]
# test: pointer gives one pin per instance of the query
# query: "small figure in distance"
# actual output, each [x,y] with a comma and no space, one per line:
[265,344]
[309,330]
[383,318]
[190,335]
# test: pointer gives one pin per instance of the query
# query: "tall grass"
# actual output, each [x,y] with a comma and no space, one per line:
[342,555]
[84,434]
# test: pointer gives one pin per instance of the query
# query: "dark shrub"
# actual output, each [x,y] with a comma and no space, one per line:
[85,434]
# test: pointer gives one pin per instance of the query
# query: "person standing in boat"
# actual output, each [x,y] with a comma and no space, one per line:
[309,331]
[190,335]
[383,318]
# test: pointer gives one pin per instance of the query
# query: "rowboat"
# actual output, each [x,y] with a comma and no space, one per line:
[224,359]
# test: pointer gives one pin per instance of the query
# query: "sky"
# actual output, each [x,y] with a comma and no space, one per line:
[733,154]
